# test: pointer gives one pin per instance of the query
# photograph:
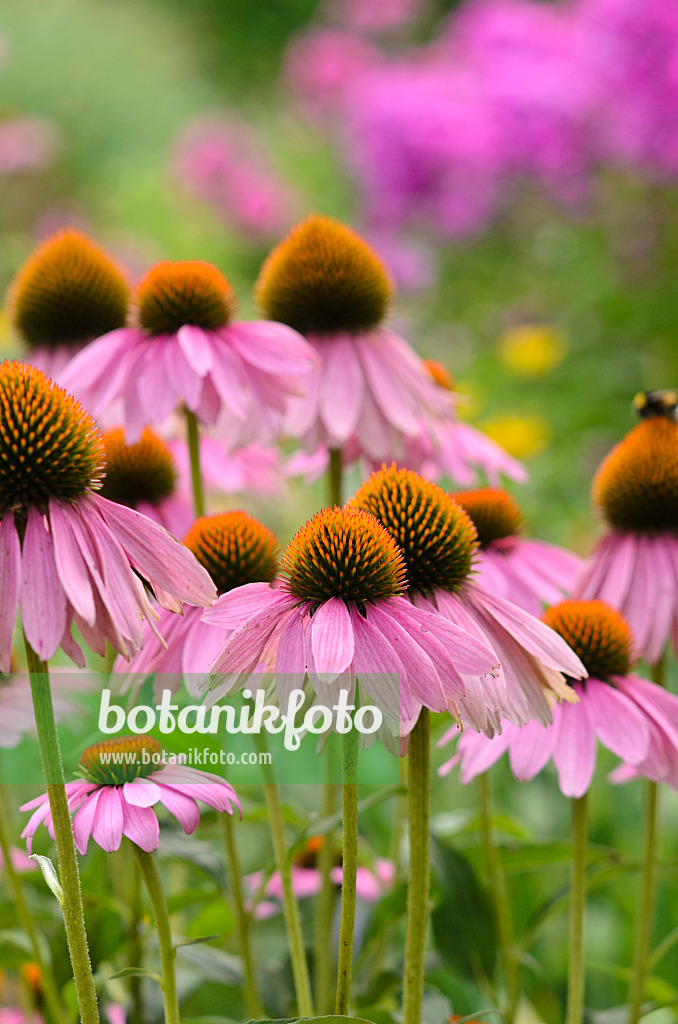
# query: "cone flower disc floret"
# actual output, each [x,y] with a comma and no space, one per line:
[66,553]
[337,612]
[529,573]
[634,567]
[116,800]
[236,549]
[439,544]
[185,347]
[632,717]
[68,292]
[374,397]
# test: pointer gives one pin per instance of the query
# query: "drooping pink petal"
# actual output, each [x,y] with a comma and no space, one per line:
[341,388]
[141,793]
[617,722]
[424,681]
[574,748]
[376,661]
[43,602]
[195,345]
[10,574]
[141,826]
[272,347]
[332,639]
[184,809]
[108,819]
[234,608]
[84,821]
[530,749]
[70,560]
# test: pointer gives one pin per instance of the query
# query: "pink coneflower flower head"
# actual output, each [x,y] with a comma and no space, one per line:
[373,392]
[632,717]
[144,476]
[635,565]
[17,716]
[530,573]
[185,347]
[67,554]
[116,800]
[68,292]
[439,544]
[236,549]
[254,469]
[372,881]
[337,612]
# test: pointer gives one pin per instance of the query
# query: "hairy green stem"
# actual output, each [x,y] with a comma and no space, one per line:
[575,977]
[324,907]
[648,889]
[502,905]
[156,895]
[252,1000]
[193,439]
[74,919]
[135,953]
[349,866]
[419,873]
[295,938]
[55,1012]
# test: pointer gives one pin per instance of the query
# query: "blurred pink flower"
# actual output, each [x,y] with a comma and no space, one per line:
[253,469]
[322,65]
[220,161]
[371,884]
[26,143]
[120,801]
[20,862]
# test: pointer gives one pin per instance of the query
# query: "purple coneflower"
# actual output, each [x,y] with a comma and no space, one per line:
[116,800]
[529,573]
[439,544]
[68,292]
[635,565]
[186,347]
[374,396]
[337,611]
[67,554]
[632,717]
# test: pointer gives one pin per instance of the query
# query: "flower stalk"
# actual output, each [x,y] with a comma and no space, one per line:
[74,920]
[418,895]
[575,980]
[253,1004]
[193,439]
[349,802]
[156,895]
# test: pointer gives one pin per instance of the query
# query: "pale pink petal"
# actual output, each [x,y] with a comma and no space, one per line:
[141,793]
[478,752]
[141,826]
[272,347]
[43,602]
[422,676]
[574,748]
[70,562]
[108,819]
[617,722]
[376,661]
[341,388]
[229,379]
[394,398]
[530,749]
[10,574]
[184,809]
[332,639]
[234,608]
[84,820]
[195,344]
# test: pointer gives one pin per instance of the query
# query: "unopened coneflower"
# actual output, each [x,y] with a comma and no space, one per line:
[374,397]
[69,555]
[439,544]
[235,549]
[144,476]
[527,572]
[67,293]
[635,565]
[185,346]
[123,780]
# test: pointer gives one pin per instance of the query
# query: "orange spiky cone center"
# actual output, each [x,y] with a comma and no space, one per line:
[172,294]
[436,536]
[124,759]
[636,486]
[68,292]
[597,633]
[345,553]
[138,473]
[235,548]
[495,513]
[49,446]
[324,279]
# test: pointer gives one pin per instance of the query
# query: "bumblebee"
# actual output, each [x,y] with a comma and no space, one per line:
[649,404]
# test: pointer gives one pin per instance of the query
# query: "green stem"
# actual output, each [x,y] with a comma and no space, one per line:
[135,953]
[418,889]
[74,919]
[335,474]
[283,864]
[349,866]
[502,906]
[156,895]
[648,888]
[648,883]
[575,978]
[253,1004]
[324,907]
[193,438]
[54,1010]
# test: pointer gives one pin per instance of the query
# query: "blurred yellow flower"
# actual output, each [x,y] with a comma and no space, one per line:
[532,350]
[521,436]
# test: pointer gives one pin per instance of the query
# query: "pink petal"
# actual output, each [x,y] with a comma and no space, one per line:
[531,747]
[10,574]
[478,752]
[271,347]
[43,602]
[84,820]
[574,748]
[195,345]
[617,722]
[377,663]
[141,826]
[70,562]
[332,639]
[234,608]
[341,388]
[108,819]
[184,809]
[141,793]
[229,379]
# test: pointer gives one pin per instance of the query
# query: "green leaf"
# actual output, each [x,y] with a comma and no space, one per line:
[135,972]
[332,1019]
[213,964]
[215,918]
[196,942]
[463,919]
[15,948]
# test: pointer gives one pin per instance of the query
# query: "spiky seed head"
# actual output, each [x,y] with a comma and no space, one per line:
[597,633]
[494,512]
[172,294]
[235,548]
